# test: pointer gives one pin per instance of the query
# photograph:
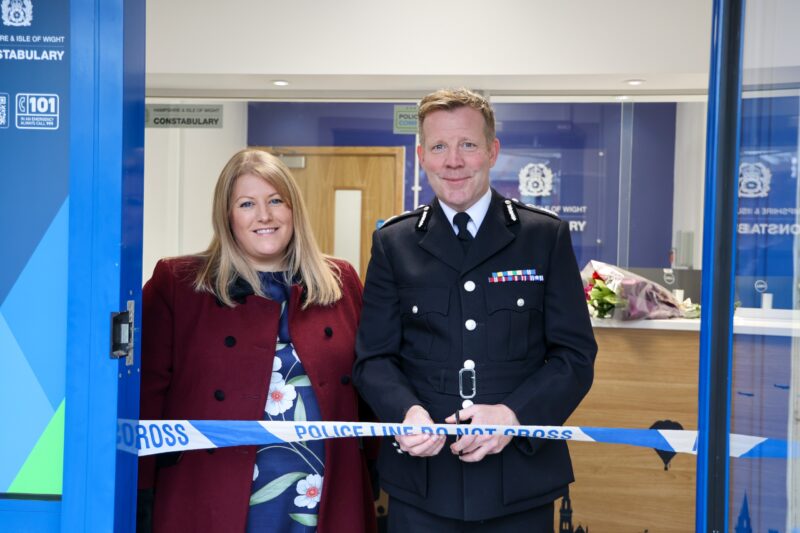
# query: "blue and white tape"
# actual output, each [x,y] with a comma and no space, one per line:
[149,437]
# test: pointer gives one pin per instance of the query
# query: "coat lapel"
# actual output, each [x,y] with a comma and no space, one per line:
[492,236]
[440,240]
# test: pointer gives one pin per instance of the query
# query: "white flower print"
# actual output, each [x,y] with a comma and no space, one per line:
[276,375]
[255,473]
[309,490]
[280,398]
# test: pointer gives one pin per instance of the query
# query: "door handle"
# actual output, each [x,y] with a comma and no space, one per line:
[122,334]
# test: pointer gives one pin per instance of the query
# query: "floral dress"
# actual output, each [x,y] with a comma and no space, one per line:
[287,479]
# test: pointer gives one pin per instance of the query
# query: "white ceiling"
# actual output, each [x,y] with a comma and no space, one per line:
[375,49]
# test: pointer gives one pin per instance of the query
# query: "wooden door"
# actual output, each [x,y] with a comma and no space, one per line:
[352,187]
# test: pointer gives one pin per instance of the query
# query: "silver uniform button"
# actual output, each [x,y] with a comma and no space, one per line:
[466,403]
[469,364]
[469,286]
[415,309]
[520,302]
[470,324]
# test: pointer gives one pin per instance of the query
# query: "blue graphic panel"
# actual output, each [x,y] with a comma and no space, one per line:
[36,308]
[27,409]
[34,180]
[767,224]
[760,401]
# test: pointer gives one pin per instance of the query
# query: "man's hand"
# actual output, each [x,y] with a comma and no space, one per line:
[473,448]
[424,445]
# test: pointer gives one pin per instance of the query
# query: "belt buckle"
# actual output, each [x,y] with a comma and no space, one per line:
[469,374]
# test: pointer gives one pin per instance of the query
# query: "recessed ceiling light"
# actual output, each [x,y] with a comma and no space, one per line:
[634,82]
[621,97]
[280,83]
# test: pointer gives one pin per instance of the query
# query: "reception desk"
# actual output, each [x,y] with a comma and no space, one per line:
[646,373]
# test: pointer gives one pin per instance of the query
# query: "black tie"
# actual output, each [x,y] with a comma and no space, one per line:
[464,235]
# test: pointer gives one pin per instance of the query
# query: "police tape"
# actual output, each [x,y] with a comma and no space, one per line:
[149,437]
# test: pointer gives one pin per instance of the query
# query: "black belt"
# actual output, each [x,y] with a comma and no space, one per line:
[490,378]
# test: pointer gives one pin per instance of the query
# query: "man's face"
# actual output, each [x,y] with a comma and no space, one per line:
[456,156]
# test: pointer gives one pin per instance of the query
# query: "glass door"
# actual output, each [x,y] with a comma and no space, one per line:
[763,488]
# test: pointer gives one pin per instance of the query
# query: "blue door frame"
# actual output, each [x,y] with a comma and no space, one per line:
[719,246]
[105,235]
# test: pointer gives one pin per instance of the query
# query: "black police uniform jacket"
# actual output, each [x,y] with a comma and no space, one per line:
[429,306]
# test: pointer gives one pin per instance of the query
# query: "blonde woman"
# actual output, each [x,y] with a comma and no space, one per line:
[261,325]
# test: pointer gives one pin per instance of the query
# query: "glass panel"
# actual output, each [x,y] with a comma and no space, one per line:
[629,179]
[763,491]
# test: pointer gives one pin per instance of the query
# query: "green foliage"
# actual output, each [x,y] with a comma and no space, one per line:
[276,487]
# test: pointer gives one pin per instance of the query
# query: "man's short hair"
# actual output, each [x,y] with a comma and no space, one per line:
[450,99]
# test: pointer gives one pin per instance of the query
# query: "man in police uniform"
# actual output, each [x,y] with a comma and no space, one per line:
[473,285]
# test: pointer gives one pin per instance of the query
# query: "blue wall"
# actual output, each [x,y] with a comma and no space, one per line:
[579,144]
[652,179]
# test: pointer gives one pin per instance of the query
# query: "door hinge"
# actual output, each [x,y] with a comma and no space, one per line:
[122,334]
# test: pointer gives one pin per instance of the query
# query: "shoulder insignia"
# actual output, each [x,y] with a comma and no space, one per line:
[510,212]
[535,208]
[422,212]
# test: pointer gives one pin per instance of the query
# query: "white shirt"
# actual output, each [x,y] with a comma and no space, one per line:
[476,213]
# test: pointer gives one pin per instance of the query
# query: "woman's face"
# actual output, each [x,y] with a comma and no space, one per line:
[261,222]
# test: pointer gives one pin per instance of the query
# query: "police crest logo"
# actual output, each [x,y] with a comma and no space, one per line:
[17,12]
[535,179]
[754,180]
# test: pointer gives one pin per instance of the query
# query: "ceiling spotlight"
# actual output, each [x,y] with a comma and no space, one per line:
[634,82]
[280,83]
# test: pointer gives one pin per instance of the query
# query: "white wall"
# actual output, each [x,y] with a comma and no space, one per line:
[181,167]
[690,152]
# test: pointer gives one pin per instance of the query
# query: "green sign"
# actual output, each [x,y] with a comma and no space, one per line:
[405,119]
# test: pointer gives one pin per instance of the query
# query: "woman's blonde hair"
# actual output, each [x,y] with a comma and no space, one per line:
[224,260]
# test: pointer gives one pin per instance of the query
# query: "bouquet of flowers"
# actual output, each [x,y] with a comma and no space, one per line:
[614,292]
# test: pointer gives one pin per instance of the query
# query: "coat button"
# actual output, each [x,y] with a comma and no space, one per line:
[345,380]
[219,395]
[520,302]
[328,332]
[470,325]
[230,341]
[415,309]
[469,286]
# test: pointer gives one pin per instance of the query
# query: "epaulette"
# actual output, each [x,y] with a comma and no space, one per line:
[534,208]
[423,212]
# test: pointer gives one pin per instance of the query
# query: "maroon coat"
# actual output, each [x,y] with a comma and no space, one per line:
[205,361]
